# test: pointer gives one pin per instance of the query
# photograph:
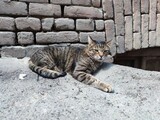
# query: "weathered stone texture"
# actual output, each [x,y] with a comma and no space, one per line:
[96,3]
[13,8]
[128,33]
[152,38]
[25,38]
[127,7]
[44,9]
[158,6]
[152,15]
[136,16]
[107,8]
[99,36]
[99,24]
[81,2]
[158,30]
[136,40]
[119,18]
[13,51]
[7,38]
[61,2]
[145,29]
[84,25]
[82,12]
[28,23]
[7,23]
[36,1]
[64,24]
[110,35]
[47,24]
[57,37]
[120,44]
[144,6]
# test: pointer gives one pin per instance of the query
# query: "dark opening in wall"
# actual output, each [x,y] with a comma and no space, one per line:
[148,59]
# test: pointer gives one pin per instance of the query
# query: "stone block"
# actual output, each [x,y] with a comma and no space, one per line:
[128,7]
[7,23]
[145,30]
[152,38]
[136,16]
[57,37]
[120,44]
[136,41]
[110,35]
[13,51]
[36,1]
[81,2]
[61,2]
[7,38]
[28,23]
[152,15]
[44,9]
[96,3]
[108,8]
[25,38]
[84,25]
[82,12]
[98,36]
[47,24]
[13,8]
[128,33]
[64,24]
[99,24]
[119,17]
[158,30]
[144,6]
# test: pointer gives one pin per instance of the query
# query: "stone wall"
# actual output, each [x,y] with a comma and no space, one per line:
[26,25]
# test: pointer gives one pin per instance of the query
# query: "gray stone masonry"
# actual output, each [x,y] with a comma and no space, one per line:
[99,24]
[145,6]
[13,8]
[107,8]
[152,15]
[7,23]
[44,9]
[13,51]
[82,12]
[82,2]
[25,38]
[84,25]
[152,38]
[57,37]
[145,30]
[96,3]
[110,35]
[158,30]
[99,36]
[128,7]
[136,16]
[7,38]
[128,33]
[136,41]
[64,24]
[28,23]
[119,18]
[120,44]
[158,6]
[38,1]
[61,2]
[47,24]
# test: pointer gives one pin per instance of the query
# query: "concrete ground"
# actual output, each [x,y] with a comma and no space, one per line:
[136,97]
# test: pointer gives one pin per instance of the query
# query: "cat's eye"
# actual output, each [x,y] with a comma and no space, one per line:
[106,51]
[95,50]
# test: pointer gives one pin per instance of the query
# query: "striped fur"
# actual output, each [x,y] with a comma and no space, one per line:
[53,62]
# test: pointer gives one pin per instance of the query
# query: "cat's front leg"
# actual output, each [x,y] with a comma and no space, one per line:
[91,80]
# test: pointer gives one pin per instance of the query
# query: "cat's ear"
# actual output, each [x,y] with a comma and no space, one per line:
[108,43]
[90,40]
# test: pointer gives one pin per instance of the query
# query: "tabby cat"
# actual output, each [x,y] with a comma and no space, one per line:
[53,62]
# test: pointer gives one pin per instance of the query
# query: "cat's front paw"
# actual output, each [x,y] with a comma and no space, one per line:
[108,89]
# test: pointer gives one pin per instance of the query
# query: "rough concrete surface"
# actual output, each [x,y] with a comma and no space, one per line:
[136,95]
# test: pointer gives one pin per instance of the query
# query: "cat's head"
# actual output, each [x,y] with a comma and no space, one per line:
[99,51]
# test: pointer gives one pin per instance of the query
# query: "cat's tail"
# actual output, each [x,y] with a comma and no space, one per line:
[44,72]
